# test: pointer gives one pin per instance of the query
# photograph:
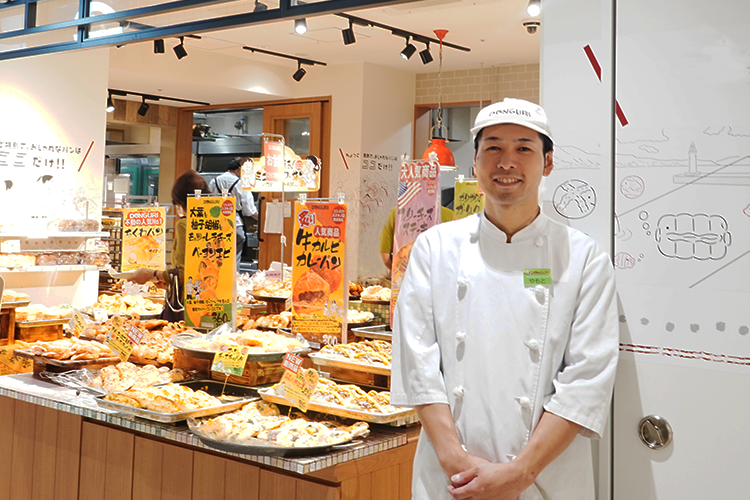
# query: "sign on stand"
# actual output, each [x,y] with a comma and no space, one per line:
[468,198]
[280,169]
[143,238]
[230,359]
[298,383]
[210,277]
[320,290]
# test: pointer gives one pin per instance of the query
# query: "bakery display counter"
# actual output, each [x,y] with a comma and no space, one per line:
[62,444]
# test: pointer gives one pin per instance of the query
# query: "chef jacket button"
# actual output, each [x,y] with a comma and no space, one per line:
[532,344]
[458,391]
[524,402]
[539,241]
[464,282]
[539,292]
[460,336]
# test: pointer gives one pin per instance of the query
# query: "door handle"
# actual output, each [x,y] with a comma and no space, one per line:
[655,432]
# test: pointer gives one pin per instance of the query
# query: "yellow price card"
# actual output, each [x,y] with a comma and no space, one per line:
[120,342]
[299,385]
[79,324]
[230,359]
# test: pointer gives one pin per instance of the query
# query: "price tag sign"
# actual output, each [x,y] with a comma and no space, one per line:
[533,277]
[100,315]
[230,359]
[298,384]
[117,321]
[134,333]
[79,324]
[120,342]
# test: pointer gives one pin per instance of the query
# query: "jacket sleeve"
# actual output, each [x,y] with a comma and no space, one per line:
[416,378]
[583,386]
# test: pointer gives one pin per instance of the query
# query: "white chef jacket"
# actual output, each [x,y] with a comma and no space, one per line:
[467,332]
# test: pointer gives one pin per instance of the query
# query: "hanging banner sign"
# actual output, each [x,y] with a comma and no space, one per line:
[143,238]
[418,210]
[320,290]
[210,262]
[468,199]
[279,166]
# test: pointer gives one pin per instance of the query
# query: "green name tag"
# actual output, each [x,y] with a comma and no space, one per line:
[533,277]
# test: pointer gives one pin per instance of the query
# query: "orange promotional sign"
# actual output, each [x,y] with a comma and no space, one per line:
[143,238]
[320,288]
[210,262]
[279,169]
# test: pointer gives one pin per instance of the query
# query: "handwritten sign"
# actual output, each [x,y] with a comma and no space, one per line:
[119,342]
[79,323]
[230,359]
[210,262]
[143,238]
[468,199]
[281,168]
[299,386]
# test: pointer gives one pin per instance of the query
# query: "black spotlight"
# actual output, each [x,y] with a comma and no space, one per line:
[159,46]
[179,50]
[259,7]
[144,107]
[408,51]
[348,35]
[110,104]
[299,73]
[425,55]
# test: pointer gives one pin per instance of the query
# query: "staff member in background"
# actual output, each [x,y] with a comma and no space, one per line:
[185,184]
[508,376]
[386,234]
[244,203]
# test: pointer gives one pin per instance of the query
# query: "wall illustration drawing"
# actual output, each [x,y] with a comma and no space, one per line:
[574,199]
[686,236]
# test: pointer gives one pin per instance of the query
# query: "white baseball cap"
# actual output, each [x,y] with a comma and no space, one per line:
[516,111]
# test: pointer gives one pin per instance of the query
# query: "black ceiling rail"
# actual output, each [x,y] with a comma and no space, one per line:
[302,60]
[286,10]
[153,97]
[401,32]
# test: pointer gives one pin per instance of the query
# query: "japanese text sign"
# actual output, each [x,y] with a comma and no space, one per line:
[121,339]
[281,168]
[320,288]
[468,199]
[299,386]
[210,261]
[143,238]
[230,359]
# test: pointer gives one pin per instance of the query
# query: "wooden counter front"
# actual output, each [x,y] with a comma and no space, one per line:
[51,453]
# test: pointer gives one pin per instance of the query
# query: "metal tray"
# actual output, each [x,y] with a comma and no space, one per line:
[73,365]
[253,446]
[402,417]
[212,387]
[322,360]
[8,305]
[42,322]
[177,342]
[377,332]
[266,298]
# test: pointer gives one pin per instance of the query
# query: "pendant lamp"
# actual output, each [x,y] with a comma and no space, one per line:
[437,138]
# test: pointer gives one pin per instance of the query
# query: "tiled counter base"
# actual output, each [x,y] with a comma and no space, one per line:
[61,445]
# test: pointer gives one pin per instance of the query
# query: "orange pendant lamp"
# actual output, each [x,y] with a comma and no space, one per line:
[437,140]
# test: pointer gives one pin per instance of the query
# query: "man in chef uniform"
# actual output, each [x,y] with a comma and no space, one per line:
[505,333]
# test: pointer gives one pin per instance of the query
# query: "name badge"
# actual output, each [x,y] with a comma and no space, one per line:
[533,277]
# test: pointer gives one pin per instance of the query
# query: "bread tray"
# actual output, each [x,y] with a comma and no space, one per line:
[42,322]
[73,365]
[377,332]
[243,394]
[323,360]
[374,301]
[253,446]
[402,417]
[22,303]
[266,298]
[178,341]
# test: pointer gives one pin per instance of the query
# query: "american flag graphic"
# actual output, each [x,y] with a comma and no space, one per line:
[407,191]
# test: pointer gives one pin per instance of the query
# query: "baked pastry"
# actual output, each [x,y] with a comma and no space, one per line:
[13,296]
[46,259]
[88,225]
[68,258]
[310,293]
[332,275]
[68,225]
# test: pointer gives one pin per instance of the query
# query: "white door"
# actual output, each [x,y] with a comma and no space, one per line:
[680,224]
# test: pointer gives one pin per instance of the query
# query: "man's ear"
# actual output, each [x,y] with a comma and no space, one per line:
[548,157]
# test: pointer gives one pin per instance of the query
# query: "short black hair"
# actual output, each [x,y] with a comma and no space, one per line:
[547,144]
[186,184]
[235,163]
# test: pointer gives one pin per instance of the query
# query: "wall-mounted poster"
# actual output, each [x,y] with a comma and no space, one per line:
[143,238]
[418,209]
[468,199]
[320,290]
[279,166]
[210,261]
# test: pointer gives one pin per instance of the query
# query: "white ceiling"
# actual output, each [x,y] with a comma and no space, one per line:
[492,29]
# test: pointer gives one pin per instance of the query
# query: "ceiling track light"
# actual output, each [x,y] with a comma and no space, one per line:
[152,97]
[179,50]
[408,51]
[110,103]
[300,73]
[300,26]
[534,8]
[425,54]
[348,34]
[144,107]
[159,46]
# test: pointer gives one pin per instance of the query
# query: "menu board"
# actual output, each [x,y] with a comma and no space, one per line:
[210,261]
[320,290]
[143,238]
[279,169]
[468,199]
[418,210]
